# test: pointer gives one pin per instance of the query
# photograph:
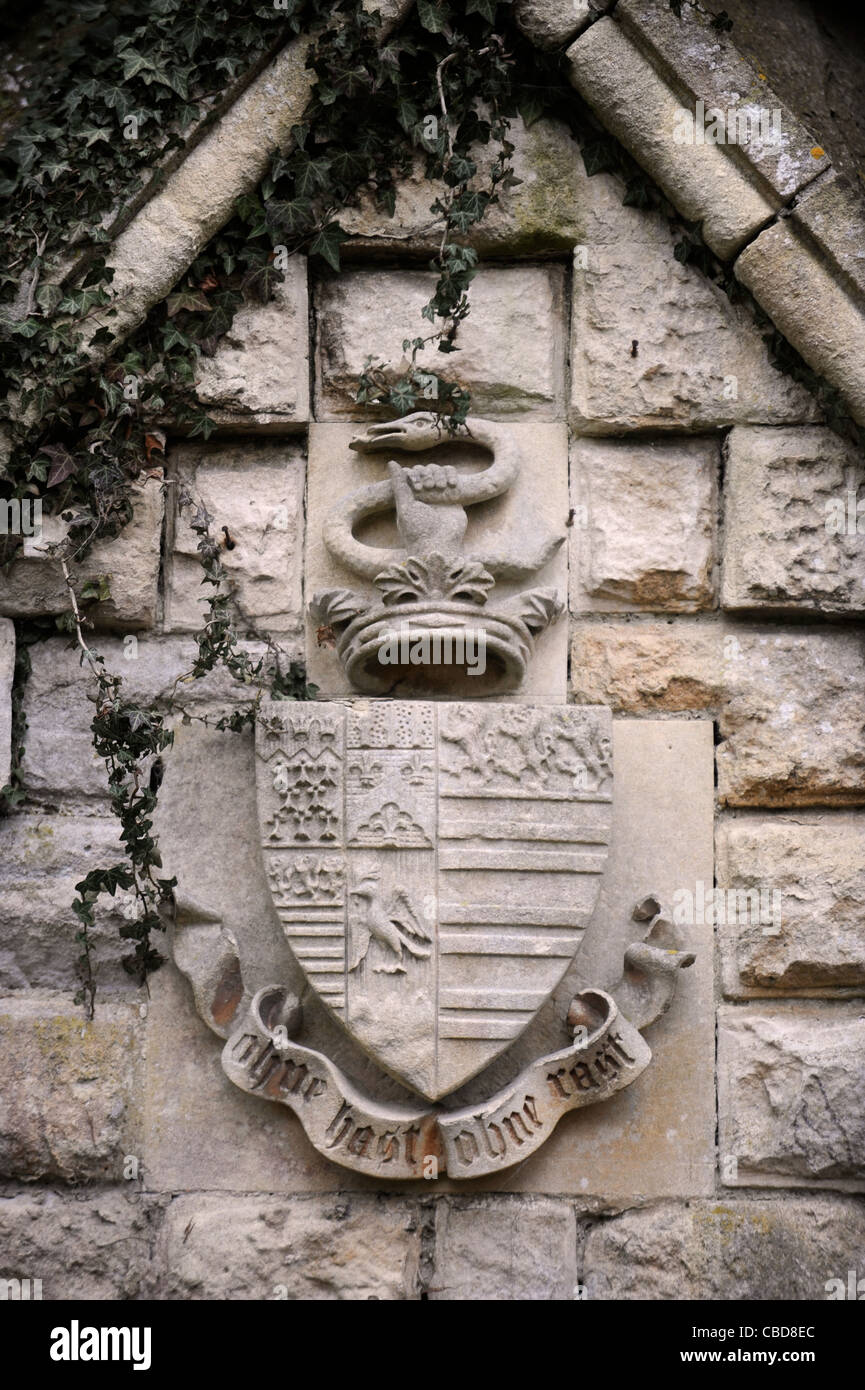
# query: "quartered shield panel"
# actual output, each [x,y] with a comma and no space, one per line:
[434,866]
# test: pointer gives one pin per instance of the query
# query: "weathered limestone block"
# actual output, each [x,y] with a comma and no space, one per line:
[655,344]
[504,1248]
[66,1098]
[807,273]
[511,354]
[791,1093]
[34,583]
[259,375]
[552,23]
[792,721]
[638,667]
[816,866]
[640,106]
[82,1246]
[701,62]
[790,522]
[42,857]
[59,755]
[254,490]
[539,215]
[644,521]
[788,702]
[7,673]
[741,1248]
[349,1247]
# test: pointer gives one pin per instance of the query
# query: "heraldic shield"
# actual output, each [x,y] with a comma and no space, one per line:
[434,866]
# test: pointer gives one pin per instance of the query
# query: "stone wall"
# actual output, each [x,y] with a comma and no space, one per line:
[705,584]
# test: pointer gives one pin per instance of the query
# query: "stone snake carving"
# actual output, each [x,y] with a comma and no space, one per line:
[430,501]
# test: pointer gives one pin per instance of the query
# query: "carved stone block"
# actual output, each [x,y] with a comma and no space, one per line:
[469,551]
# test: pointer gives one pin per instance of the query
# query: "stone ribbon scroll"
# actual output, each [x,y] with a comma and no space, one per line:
[399,1141]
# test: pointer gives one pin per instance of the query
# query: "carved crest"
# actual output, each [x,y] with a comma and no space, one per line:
[434,866]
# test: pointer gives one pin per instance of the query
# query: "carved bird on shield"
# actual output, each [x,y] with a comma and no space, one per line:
[389,921]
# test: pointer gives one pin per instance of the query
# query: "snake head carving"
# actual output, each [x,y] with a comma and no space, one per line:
[422,430]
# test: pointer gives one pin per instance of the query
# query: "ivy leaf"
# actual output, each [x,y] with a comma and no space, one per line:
[62,464]
[432,16]
[486,8]
[134,63]
[531,107]
[328,242]
[193,300]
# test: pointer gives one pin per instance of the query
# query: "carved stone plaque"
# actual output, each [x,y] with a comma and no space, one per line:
[434,867]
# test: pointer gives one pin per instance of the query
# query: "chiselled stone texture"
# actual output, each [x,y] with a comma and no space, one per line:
[34,585]
[792,726]
[791,1092]
[7,672]
[254,490]
[552,23]
[42,857]
[345,1247]
[502,1248]
[790,522]
[538,216]
[59,755]
[654,343]
[788,702]
[258,378]
[642,533]
[638,104]
[67,1089]
[736,1249]
[816,866]
[511,354]
[648,667]
[807,272]
[81,1245]
[701,62]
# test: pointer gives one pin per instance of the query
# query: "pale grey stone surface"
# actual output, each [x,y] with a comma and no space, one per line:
[643,531]
[790,521]
[7,673]
[204,1133]
[654,343]
[530,515]
[511,353]
[791,1093]
[816,865]
[233,1247]
[502,1249]
[787,700]
[67,1108]
[259,375]
[741,1248]
[707,64]
[42,857]
[811,303]
[59,755]
[255,490]
[539,216]
[552,23]
[81,1245]
[642,109]
[792,720]
[34,584]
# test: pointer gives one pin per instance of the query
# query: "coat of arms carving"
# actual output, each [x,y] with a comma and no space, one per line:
[433,866]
